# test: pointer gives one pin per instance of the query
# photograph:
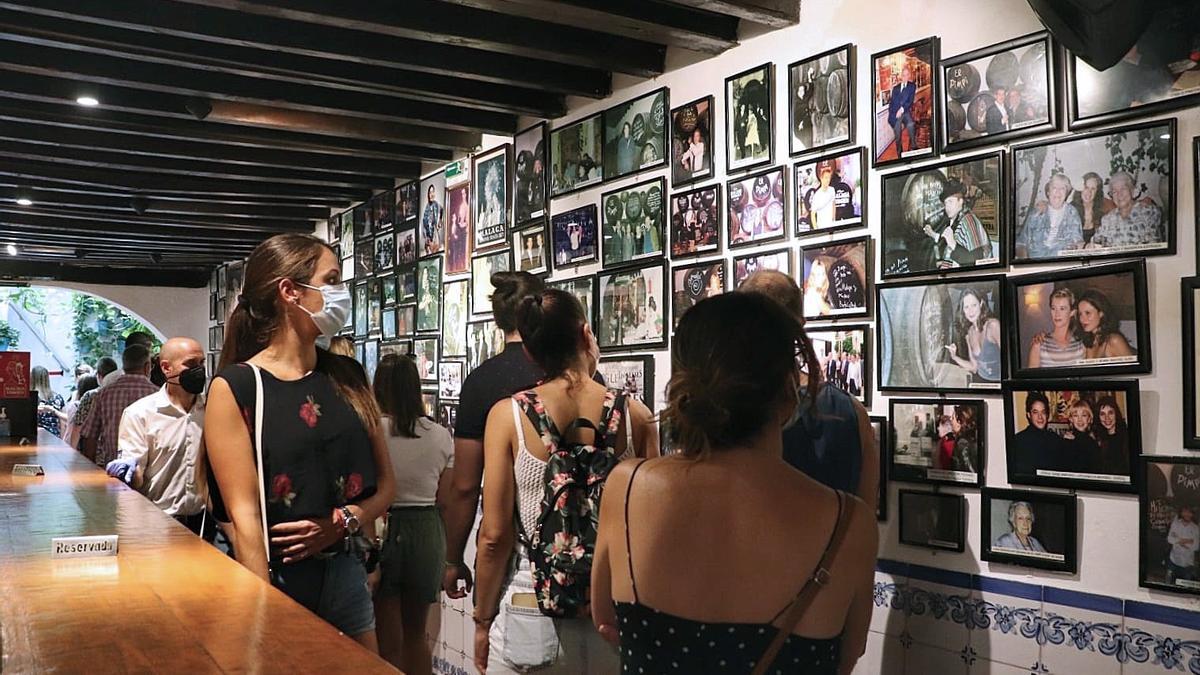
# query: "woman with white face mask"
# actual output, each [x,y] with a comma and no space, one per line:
[321,474]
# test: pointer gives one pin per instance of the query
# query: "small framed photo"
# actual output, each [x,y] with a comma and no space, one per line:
[632,308]
[348,225]
[430,399]
[879,427]
[398,347]
[370,358]
[406,285]
[576,155]
[1031,529]
[632,228]
[584,290]
[385,252]
[1156,75]
[407,197]
[750,118]
[212,307]
[450,379]
[385,209]
[937,440]
[821,100]
[348,267]
[633,375]
[837,278]
[429,294]
[1190,292]
[935,520]
[1081,321]
[406,320]
[360,309]
[389,330]
[530,249]
[447,415]
[943,218]
[482,269]
[431,230]
[999,93]
[530,188]
[574,235]
[696,222]
[942,336]
[364,259]
[455,308]
[390,293]
[757,208]
[1168,513]
[779,260]
[1073,433]
[333,234]
[831,193]
[692,142]
[484,340]
[425,354]
[1093,196]
[635,135]
[360,352]
[458,233]
[843,352]
[692,283]
[375,305]
[904,108]
[493,192]
[362,221]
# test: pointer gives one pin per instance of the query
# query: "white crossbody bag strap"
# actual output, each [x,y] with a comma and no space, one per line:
[258,428]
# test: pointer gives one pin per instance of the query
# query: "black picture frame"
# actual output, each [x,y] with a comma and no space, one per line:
[559,186]
[1189,294]
[484,340]
[531,185]
[406,285]
[762,98]
[1162,492]
[825,337]
[460,229]
[390,291]
[616,210]
[398,347]
[569,253]
[693,282]
[643,369]
[361,309]
[447,415]
[1049,154]
[845,282]
[656,114]
[685,121]
[429,294]
[1028,292]
[932,43]
[1121,77]
[612,337]
[385,209]
[745,265]
[916,528]
[456,311]
[918,353]
[489,226]
[407,199]
[584,290]
[333,234]
[880,428]
[385,251]
[427,368]
[1043,457]
[908,249]
[1048,560]
[483,266]
[450,379]
[963,101]
[928,417]
[431,216]
[844,195]
[534,259]
[688,236]
[374,306]
[807,119]
[759,198]
[429,398]
[406,320]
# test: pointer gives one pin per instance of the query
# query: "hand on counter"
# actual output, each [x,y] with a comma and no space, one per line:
[123,469]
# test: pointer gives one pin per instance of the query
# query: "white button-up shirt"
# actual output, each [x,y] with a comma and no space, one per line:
[166,443]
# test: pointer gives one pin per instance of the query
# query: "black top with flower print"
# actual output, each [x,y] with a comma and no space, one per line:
[316,450]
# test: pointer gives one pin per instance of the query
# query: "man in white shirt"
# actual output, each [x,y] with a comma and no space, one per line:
[160,446]
[1184,538]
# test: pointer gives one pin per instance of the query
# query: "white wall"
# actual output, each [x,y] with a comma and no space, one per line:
[169,311]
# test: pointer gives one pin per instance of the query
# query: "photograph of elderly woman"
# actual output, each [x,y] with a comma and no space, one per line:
[1170,524]
[1028,528]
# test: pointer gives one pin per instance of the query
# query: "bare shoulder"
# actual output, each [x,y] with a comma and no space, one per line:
[500,417]
[862,531]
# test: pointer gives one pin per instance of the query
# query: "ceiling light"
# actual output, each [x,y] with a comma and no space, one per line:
[88,101]
[24,201]
[12,249]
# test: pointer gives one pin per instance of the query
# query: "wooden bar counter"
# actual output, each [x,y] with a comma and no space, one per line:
[167,603]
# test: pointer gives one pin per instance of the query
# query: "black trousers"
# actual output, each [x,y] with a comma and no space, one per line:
[195,522]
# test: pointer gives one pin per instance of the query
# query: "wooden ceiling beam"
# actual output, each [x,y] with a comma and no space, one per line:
[72,189]
[207,228]
[83,247]
[772,13]
[146,275]
[43,196]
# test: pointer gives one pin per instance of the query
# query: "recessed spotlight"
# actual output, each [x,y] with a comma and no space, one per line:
[88,101]
[12,249]
[25,201]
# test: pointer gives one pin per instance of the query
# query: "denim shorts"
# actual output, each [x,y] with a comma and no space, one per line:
[334,589]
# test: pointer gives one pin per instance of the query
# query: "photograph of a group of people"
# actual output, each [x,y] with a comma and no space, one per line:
[696,221]
[938,441]
[632,225]
[574,235]
[691,141]
[574,152]
[757,207]
[1171,523]
[841,353]
[635,134]
[836,277]
[1102,194]
[998,91]
[631,308]
[829,193]
[1029,528]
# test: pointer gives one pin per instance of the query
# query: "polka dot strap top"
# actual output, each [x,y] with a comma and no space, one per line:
[657,642]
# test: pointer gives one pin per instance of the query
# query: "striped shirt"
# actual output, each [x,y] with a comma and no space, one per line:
[1054,355]
[104,419]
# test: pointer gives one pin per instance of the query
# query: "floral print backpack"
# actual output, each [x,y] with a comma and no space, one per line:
[563,541]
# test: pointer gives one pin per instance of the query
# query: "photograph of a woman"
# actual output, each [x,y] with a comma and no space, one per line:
[981,328]
[1099,331]
[1020,534]
[1034,529]
[1061,345]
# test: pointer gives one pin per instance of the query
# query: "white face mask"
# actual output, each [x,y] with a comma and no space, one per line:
[332,316]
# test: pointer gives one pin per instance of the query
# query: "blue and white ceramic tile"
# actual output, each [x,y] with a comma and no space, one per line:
[1003,616]
[1160,639]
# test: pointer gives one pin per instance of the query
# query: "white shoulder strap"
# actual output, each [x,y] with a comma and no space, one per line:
[516,407]
[258,430]
[628,429]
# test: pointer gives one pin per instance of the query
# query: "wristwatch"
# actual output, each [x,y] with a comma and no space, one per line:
[350,520]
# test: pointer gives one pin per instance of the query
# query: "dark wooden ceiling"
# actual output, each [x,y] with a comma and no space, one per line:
[223,122]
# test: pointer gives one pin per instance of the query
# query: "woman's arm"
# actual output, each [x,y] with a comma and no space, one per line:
[385,481]
[1035,354]
[862,540]
[966,364]
[231,455]
[612,520]
[868,478]
[1117,345]
[645,431]
[496,533]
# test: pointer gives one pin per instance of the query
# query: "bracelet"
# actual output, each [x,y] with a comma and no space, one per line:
[479,622]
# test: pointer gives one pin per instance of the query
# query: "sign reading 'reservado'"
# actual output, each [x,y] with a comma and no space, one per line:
[83,547]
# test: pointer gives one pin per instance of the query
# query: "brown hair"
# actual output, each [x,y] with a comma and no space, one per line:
[510,289]
[550,323]
[732,362]
[779,287]
[398,391]
[342,346]
[259,312]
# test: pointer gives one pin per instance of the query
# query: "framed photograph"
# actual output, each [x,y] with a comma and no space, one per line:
[632,305]
[692,283]
[360,352]
[390,328]
[447,415]
[844,354]
[399,347]
[406,246]
[360,309]
[406,285]
[837,278]
[999,93]
[943,218]
[530,250]
[406,320]
[370,358]
[385,209]
[635,135]
[455,308]
[941,336]
[493,193]
[450,379]
[482,269]
[364,259]
[1073,433]
[633,375]
[425,354]
[484,340]
[831,193]
[390,294]
[696,222]
[633,218]
[374,306]
[458,236]
[372,205]
[430,399]
[1190,293]
[431,230]
[937,440]
[212,307]
[750,118]
[348,232]
[1082,321]
[530,188]
[1092,196]
[757,208]
[1028,528]
[576,156]
[407,197]
[692,142]
[821,100]
[779,260]
[584,290]
[574,236]
[362,221]
[429,294]
[879,427]
[385,252]
[333,234]
[904,112]
[935,520]
[1168,512]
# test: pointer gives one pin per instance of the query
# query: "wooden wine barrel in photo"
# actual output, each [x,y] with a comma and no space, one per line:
[977,111]
[820,98]
[962,82]
[922,199]
[956,117]
[918,324]
[1003,71]
[836,93]
[1033,67]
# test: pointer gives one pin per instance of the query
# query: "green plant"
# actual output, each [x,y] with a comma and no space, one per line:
[9,334]
[92,343]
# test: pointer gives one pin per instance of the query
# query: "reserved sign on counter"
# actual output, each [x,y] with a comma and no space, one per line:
[83,547]
[28,470]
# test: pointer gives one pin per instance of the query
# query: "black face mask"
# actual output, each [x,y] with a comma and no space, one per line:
[193,379]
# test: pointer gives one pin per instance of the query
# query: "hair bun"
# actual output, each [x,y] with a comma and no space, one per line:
[703,411]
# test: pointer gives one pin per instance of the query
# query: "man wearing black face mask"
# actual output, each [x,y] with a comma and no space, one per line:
[161,453]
